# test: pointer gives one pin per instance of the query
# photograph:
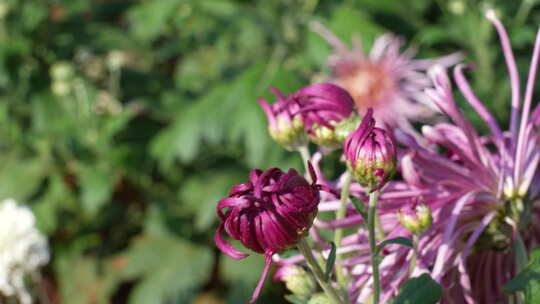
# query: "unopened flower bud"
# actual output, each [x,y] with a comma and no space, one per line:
[285,125]
[334,138]
[370,154]
[416,218]
[324,107]
[319,298]
[268,214]
[297,280]
[425,218]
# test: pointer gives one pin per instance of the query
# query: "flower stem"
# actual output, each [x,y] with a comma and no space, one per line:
[338,234]
[414,258]
[521,260]
[304,152]
[372,245]
[304,248]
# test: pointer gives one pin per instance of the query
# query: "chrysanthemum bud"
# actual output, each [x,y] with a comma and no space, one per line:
[324,107]
[297,280]
[285,125]
[416,218]
[370,154]
[269,213]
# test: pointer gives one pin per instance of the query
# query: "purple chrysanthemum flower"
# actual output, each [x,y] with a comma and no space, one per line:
[490,184]
[284,123]
[482,192]
[269,213]
[387,80]
[370,153]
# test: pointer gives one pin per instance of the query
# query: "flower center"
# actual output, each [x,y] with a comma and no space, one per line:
[369,84]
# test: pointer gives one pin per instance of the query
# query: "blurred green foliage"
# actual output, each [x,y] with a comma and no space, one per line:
[122,123]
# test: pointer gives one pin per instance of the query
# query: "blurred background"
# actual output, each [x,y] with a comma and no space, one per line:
[123,122]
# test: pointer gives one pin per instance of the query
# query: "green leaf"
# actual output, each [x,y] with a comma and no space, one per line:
[200,194]
[330,261]
[47,210]
[97,186]
[83,280]
[150,18]
[294,299]
[399,240]
[348,21]
[168,268]
[528,280]
[359,207]
[19,178]
[420,290]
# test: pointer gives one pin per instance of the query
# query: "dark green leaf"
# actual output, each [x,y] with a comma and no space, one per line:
[399,240]
[420,290]
[528,280]
[330,261]
[360,207]
[168,268]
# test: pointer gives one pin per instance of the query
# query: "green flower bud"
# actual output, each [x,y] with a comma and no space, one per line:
[289,133]
[298,281]
[416,219]
[334,138]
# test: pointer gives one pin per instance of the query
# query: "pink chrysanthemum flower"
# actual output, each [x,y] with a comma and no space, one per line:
[483,193]
[493,179]
[387,80]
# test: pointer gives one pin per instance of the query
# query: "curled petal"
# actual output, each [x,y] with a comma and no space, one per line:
[227,248]
[267,264]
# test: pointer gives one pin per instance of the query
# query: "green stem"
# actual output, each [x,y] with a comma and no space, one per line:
[304,248]
[521,253]
[523,11]
[412,266]
[372,213]
[338,234]
[304,152]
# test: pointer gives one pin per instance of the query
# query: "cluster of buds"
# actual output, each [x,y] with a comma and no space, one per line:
[416,218]
[370,154]
[274,210]
[322,112]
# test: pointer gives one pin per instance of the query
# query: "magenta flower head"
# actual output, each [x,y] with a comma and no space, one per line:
[269,213]
[284,123]
[328,113]
[370,154]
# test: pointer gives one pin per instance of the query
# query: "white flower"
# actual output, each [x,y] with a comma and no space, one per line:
[22,249]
